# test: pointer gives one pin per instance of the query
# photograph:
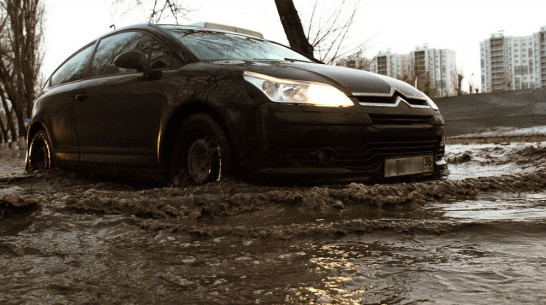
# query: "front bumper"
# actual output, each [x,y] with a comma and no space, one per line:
[311,143]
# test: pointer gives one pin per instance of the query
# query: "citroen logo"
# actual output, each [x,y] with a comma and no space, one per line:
[421,103]
[400,100]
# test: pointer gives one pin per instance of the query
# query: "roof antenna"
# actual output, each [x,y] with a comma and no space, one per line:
[113,26]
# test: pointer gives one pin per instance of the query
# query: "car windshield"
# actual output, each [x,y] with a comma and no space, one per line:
[212,46]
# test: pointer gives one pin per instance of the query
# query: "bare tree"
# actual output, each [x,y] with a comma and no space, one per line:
[3,125]
[293,27]
[8,127]
[159,9]
[323,36]
[20,59]
[328,30]
[3,131]
[423,82]
[459,84]
[355,60]
[4,109]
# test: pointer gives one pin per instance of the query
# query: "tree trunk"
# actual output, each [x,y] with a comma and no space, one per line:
[3,132]
[459,83]
[17,127]
[20,57]
[9,119]
[292,27]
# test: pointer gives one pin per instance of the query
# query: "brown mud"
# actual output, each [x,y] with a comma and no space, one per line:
[474,237]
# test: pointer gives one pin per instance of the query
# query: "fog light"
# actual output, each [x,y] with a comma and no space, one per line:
[326,156]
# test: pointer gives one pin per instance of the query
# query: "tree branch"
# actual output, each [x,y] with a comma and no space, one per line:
[293,27]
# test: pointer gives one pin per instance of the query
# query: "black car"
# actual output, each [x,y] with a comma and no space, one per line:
[197,105]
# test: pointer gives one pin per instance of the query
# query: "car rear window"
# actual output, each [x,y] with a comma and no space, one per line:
[73,68]
[212,46]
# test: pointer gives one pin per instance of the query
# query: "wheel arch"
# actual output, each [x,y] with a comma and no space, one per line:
[168,137]
[33,129]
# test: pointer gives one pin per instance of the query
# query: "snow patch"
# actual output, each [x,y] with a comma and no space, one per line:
[506,132]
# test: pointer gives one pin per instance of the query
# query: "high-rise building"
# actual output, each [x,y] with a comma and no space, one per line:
[512,63]
[431,70]
[540,56]
[356,61]
[438,67]
[393,65]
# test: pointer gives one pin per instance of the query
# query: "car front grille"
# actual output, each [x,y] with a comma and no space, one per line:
[367,155]
[440,151]
[389,101]
[388,119]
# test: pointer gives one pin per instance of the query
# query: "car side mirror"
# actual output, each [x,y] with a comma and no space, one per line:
[133,60]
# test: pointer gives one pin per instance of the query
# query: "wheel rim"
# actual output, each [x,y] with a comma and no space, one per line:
[201,159]
[39,155]
[40,158]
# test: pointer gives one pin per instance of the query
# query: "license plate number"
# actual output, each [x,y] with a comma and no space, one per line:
[409,165]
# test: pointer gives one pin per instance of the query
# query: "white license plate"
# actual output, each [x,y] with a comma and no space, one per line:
[409,166]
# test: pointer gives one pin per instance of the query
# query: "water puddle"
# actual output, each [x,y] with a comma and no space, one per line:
[526,207]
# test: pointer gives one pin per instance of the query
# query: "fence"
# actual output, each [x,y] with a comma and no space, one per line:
[468,113]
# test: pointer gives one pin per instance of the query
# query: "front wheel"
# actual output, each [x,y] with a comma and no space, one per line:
[40,154]
[202,152]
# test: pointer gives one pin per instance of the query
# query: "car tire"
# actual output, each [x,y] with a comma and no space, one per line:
[40,154]
[202,152]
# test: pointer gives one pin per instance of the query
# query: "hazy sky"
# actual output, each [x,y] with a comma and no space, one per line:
[398,25]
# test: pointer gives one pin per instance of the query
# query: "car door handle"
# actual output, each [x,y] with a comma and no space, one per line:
[81,96]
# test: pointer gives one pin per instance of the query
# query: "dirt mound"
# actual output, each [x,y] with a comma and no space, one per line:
[234,197]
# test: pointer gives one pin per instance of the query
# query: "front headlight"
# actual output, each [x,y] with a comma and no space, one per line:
[298,92]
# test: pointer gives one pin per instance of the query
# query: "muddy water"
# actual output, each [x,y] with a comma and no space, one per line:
[473,238]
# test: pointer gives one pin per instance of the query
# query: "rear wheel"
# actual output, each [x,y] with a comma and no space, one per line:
[40,155]
[202,152]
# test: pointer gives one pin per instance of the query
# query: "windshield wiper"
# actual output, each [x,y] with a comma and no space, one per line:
[293,60]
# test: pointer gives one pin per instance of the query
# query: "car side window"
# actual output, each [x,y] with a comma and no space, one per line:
[112,46]
[162,58]
[73,68]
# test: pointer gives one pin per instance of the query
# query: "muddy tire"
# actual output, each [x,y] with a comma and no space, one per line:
[40,154]
[202,152]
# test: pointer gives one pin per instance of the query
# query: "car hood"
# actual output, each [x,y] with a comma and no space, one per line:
[352,81]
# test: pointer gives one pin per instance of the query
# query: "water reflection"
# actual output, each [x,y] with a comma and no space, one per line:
[496,258]
[235,243]
[530,207]
[386,268]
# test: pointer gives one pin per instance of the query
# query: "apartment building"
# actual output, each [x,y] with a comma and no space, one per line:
[540,56]
[513,63]
[393,65]
[355,62]
[435,69]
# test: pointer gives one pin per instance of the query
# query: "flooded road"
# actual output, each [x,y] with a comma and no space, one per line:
[474,238]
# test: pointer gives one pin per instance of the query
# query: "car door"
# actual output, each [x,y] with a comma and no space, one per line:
[118,112]
[56,106]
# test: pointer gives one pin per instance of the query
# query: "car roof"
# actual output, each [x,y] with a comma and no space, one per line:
[230,28]
[205,27]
